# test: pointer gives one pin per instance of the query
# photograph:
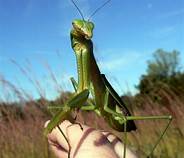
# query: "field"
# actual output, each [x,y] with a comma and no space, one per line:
[21,127]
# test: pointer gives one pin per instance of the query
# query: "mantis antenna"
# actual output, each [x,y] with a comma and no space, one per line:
[78,9]
[98,9]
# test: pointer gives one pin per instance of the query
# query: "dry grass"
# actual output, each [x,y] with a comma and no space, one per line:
[21,126]
[142,140]
[21,129]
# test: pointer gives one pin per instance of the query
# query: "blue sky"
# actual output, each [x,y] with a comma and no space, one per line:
[35,33]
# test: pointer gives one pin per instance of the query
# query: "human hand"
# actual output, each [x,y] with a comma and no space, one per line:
[84,143]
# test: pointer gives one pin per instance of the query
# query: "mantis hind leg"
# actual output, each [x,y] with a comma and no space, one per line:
[164,117]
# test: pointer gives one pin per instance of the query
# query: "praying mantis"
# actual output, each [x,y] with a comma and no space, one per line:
[107,103]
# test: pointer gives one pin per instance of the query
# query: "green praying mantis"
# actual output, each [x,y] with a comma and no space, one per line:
[107,103]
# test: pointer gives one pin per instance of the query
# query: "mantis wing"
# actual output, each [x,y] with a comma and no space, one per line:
[130,123]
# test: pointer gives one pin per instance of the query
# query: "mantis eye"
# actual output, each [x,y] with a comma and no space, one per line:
[91,25]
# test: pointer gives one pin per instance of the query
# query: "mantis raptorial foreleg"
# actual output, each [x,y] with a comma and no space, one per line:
[74,84]
[76,101]
[90,106]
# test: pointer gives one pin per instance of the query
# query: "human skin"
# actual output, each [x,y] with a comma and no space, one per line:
[87,142]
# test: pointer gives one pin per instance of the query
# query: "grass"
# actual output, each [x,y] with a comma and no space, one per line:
[21,124]
[22,129]
[21,135]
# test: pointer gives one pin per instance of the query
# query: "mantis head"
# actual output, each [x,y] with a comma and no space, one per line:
[84,28]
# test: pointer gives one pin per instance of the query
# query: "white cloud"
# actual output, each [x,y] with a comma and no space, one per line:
[172,13]
[162,32]
[111,64]
[116,62]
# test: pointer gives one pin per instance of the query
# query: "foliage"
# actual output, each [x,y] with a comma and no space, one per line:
[163,72]
[164,64]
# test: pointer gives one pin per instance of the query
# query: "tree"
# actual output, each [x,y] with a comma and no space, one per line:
[161,70]
[164,64]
